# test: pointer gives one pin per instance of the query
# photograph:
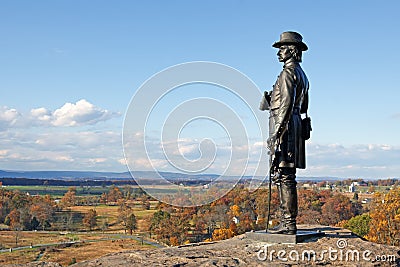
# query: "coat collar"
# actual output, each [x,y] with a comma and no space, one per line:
[290,63]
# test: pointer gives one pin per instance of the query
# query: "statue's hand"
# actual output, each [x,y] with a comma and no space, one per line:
[271,143]
[276,178]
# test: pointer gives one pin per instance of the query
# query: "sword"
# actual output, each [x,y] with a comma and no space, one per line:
[272,172]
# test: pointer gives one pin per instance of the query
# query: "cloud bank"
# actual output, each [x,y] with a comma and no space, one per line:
[69,115]
[323,160]
[59,139]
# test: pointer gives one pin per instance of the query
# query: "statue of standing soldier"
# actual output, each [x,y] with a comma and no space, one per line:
[287,131]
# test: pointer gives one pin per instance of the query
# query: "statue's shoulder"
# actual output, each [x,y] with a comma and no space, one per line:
[288,72]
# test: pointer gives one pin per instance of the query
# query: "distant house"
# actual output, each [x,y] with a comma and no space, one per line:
[366,200]
[328,186]
[352,187]
[235,220]
[363,183]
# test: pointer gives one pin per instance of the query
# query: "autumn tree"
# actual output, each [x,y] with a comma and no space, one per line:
[385,218]
[24,211]
[19,200]
[90,219]
[126,217]
[338,208]
[173,241]
[114,194]
[222,233]
[261,206]
[13,219]
[69,198]
[131,223]
[159,223]
[233,228]
[123,213]
[309,206]
[235,210]
[103,198]
[165,225]
[43,208]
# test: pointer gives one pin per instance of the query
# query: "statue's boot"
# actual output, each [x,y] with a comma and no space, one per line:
[288,206]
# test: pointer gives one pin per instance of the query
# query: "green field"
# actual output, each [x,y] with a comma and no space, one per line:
[58,191]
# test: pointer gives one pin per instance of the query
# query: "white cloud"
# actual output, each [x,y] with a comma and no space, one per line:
[63,158]
[41,114]
[77,149]
[76,114]
[97,160]
[74,140]
[122,161]
[8,117]
[192,155]
[80,113]
[369,160]
[4,153]
[72,114]
[29,150]
[45,139]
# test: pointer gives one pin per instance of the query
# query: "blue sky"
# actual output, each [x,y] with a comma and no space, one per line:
[94,55]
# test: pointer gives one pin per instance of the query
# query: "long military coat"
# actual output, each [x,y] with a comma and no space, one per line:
[289,98]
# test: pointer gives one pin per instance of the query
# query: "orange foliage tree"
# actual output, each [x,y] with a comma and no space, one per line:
[90,219]
[222,233]
[338,208]
[69,198]
[13,219]
[384,226]
[43,208]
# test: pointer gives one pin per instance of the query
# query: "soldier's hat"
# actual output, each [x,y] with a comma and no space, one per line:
[291,38]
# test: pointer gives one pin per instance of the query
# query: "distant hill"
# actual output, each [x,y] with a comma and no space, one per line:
[64,175]
[92,175]
[172,176]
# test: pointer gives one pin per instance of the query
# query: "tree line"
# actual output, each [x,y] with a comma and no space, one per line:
[241,210]
[235,213]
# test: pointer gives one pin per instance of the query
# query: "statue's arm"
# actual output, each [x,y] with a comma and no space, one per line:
[287,88]
[304,105]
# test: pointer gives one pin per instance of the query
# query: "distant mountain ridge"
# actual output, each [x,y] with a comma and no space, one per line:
[63,174]
[94,175]
[100,175]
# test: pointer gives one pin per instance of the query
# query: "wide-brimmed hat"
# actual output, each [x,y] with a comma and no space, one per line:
[291,38]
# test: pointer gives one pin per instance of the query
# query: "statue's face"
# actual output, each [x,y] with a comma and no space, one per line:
[284,53]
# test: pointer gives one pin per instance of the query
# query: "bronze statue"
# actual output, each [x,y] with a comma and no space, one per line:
[286,143]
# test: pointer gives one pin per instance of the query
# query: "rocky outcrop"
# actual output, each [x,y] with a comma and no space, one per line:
[338,247]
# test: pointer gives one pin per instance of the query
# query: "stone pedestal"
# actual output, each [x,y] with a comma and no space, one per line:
[301,236]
